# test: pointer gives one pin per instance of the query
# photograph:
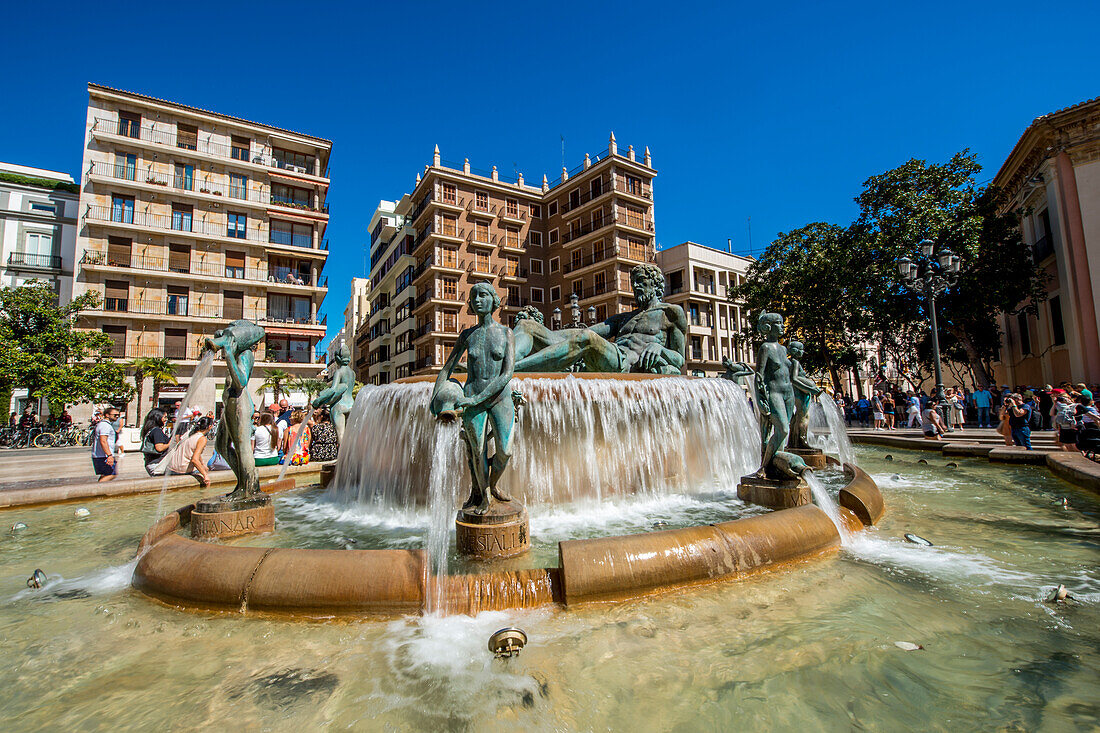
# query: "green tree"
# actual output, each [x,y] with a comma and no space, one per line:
[310,385]
[942,202]
[157,368]
[42,350]
[275,379]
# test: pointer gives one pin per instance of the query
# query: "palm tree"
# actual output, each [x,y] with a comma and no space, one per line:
[158,368]
[274,379]
[310,385]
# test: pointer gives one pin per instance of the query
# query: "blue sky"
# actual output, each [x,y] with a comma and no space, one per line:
[774,112]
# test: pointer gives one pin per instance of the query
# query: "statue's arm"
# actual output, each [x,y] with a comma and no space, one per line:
[236,374]
[803,383]
[452,361]
[500,382]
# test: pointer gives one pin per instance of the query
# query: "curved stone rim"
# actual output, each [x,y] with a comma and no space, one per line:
[189,573]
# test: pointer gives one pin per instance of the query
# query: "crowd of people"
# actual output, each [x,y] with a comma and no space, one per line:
[1068,410]
[278,436]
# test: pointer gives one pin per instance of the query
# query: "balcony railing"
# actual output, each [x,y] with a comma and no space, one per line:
[185,307]
[196,183]
[1043,248]
[154,263]
[583,198]
[637,189]
[193,225]
[618,218]
[29,259]
[191,141]
[582,262]
[193,352]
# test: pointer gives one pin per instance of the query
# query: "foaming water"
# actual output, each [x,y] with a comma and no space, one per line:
[576,439]
[827,430]
[202,372]
[446,468]
[825,501]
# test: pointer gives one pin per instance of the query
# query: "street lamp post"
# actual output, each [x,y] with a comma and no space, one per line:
[926,279]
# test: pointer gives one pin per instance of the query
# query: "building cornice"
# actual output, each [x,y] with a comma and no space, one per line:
[1066,129]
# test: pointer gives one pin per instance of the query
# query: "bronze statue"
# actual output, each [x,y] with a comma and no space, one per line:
[774,391]
[237,342]
[486,403]
[805,390]
[338,396]
[651,338]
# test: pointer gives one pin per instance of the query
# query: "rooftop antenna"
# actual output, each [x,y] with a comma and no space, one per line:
[563,151]
[729,245]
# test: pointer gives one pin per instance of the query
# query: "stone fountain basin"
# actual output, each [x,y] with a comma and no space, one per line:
[188,573]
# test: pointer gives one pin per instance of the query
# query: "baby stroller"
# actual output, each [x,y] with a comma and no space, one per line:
[1088,440]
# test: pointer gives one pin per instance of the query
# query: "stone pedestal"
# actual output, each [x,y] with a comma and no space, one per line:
[217,518]
[502,532]
[815,458]
[774,493]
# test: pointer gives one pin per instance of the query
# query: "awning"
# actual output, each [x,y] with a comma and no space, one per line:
[278,331]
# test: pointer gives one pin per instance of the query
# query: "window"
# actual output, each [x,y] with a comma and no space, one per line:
[297,235]
[291,160]
[534,239]
[237,225]
[37,250]
[596,189]
[578,288]
[234,264]
[601,313]
[635,249]
[481,261]
[576,258]
[448,257]
[179,258]
[511,238]
[448,321]
[38,206]
[536,267]
[187,136]
[239,147]
[511,266]
[448,226]
[481,232]
[555,264]
[553,236]
[448,288]
[555,294]
[127,170]
[290,195]
[175,343]
[122,209]
[1025,334]
[552,208]
[184,176]
[448,193]
[599,284]
[536,211]
[238,186]
[481,201]
[177,300]
[696,348]
[1057,327]
[181,217]
[574,199]
[675,282]
[118,339]
[597,218]
[635,217]
[129,124]
[536,295]
[511,208]
[117,295]
[694,314]
[118,251]
[633,185]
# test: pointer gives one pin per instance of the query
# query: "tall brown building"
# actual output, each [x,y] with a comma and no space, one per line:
[537,246]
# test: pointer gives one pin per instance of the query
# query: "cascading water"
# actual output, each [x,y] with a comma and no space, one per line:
[827,430]
[827,505]
[443,492]
[295,442]
[202,372]
[576,439]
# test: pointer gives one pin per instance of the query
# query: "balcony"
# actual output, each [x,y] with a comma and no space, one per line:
[34,261]
[481,270]
[178,224]
[152,263]
[585,197]
[182,307]
[190,184]
[512,272]
[191,141]
[513,215]
[580,263]
[637,189]
[489,210]
[1043,248]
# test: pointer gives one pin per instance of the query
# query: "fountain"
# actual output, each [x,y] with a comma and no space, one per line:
[612,422]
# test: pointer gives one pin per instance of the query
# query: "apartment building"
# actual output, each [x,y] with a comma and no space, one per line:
[356,312]
[190,219]
[696,279]
[38,211]
[1052,178]
[536,245]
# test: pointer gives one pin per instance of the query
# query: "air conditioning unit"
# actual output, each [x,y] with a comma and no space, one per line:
[296,168]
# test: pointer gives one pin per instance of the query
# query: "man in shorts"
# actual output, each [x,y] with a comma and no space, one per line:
[105,446]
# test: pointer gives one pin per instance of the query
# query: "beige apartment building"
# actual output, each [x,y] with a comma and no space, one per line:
[536,245]
[1052,178]
[190,219]
[697,278]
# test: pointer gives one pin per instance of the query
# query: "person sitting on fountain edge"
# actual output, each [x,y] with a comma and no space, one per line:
[649,339]
[486,400]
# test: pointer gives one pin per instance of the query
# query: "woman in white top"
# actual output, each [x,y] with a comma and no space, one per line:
[265,441]
[187,457]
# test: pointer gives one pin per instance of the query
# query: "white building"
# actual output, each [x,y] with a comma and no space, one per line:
[38,214]
[356,313]
[696,279]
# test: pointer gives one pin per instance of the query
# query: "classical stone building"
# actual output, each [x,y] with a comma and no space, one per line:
[1052,177]
[697,278]
[189,219]
[536,245]
[356,313]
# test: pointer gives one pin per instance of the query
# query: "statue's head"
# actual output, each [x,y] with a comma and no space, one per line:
[343,354]
[530,312]
[648,282]
[795,349]
[483,299]
[770,325]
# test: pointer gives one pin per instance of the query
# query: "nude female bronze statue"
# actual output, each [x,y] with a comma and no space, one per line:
[237,342]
